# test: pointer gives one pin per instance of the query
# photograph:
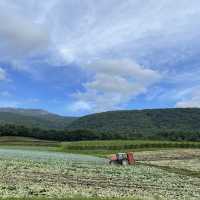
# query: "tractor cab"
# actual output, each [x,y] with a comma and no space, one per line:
[122,159]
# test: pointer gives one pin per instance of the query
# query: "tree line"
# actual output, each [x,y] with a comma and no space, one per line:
[78,135]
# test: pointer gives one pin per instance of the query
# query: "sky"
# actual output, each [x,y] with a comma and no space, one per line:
[77,57]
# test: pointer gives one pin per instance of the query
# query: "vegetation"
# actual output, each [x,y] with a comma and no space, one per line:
[179,161]
[157,124]
[32,174]
[127,144]
[47,134]
[98,148]
[78,135]
[25,141]
[170,124]
[159,174]
[112,146]
[34,118]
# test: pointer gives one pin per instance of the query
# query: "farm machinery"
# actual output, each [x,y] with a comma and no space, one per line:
[122,159]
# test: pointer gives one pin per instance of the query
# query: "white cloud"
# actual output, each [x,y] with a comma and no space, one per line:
[79,31]
[123,67]
[20,36]
[115,82]
[104,37]
[192,99]
[86,29]
[80,105]
[2,74]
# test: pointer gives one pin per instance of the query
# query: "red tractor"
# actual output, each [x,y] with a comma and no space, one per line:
[122,159]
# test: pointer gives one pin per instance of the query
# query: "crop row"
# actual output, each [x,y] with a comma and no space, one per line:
[126,145]
[192,165]
[58,175]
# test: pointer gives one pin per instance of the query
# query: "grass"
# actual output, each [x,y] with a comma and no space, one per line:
[11,142]
[102,148]
[151,178]
[59,179]
[97,148]
[175,170]
[26,141]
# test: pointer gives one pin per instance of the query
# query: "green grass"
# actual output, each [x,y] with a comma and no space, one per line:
[12,142]
[98,148]
[175,170]
[113,146]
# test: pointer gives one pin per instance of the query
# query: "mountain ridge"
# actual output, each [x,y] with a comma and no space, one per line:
[34,118]
[169,124]
[147,121]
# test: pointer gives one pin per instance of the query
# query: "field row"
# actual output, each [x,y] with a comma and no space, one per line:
[59,175]
[102,148]
[126,144]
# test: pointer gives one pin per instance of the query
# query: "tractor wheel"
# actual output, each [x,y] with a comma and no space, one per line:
[124,162]
[113,162]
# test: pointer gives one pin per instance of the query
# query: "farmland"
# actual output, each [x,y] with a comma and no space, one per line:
[49,174]
[106,147]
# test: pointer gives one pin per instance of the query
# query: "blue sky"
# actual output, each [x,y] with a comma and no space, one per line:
[76,57]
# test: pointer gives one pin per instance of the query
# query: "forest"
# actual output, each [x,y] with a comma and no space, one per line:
[78,135]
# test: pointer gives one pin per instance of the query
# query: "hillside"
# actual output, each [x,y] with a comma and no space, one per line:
[34,118]
[157,124]
[142,122]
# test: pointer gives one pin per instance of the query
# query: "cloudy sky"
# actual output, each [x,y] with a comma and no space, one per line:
[75,57]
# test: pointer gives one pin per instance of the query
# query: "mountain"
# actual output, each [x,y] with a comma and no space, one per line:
[34,118]
[142,122]
[157,124]
[26,112]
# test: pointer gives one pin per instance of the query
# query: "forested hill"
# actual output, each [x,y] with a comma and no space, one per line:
[34,118]
[177,122]
[156,124]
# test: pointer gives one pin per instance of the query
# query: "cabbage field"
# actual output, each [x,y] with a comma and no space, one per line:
[32,173]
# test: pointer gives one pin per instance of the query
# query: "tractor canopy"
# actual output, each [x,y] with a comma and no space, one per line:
[121,156]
